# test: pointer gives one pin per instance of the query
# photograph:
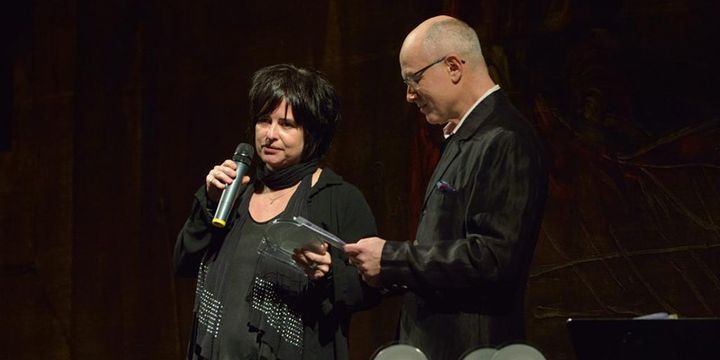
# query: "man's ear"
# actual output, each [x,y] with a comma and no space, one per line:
[455,66]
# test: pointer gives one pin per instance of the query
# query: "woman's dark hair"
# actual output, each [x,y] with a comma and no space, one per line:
[315,105]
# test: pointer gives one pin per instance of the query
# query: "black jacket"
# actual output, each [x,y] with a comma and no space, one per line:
[467,269]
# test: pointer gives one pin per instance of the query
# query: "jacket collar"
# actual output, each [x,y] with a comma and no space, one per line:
[327,178]
[472,124]
[478,115]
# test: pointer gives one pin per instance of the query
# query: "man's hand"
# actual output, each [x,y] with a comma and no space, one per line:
[366,255]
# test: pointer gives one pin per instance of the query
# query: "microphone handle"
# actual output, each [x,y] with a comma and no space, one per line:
[229,194]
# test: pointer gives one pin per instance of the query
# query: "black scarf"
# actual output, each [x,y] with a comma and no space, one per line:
[287,177]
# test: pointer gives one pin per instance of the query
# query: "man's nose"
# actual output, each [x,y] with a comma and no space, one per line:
[410,94]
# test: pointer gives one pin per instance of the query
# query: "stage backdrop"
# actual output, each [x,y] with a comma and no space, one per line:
[112,113]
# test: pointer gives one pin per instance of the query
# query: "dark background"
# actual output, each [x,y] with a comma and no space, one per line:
[112,112]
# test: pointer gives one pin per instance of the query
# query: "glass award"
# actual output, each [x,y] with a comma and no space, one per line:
[283,236]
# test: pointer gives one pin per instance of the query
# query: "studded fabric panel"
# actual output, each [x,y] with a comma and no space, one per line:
[210,309]
[278,315]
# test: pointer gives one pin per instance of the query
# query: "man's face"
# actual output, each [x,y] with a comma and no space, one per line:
[427,83]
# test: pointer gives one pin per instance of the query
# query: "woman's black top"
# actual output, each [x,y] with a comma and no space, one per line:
[333,204]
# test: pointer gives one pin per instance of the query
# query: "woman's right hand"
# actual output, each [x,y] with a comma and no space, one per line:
[219,178]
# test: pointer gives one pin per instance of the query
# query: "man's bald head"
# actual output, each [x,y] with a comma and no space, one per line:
[442,35]
[443,67]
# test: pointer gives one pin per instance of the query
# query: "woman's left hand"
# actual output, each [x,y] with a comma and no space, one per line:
[316,265]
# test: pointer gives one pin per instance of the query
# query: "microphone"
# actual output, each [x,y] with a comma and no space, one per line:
[243,158]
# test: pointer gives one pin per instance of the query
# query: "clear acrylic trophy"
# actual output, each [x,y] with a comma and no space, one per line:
[283,236]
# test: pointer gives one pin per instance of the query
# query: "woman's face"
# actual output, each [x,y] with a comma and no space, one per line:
[279,141]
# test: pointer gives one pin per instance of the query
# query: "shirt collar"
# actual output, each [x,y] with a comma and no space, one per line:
[451,128]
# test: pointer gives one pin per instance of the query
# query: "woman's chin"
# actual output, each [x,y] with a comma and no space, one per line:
[274,165]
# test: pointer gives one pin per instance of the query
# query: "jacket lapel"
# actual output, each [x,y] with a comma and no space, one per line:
[451,152]
[466,131]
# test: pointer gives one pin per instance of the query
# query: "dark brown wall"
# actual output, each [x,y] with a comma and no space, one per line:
[113,112]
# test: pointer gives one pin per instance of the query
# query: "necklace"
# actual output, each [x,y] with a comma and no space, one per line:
[273,199]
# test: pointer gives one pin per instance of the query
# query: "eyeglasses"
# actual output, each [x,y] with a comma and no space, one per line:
[414,79]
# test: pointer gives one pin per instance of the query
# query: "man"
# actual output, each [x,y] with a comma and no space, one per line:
[467,268]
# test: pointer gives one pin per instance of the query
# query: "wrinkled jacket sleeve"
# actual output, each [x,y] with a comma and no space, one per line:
[195,236]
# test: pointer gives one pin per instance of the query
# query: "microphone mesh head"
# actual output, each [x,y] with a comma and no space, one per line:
[244,153]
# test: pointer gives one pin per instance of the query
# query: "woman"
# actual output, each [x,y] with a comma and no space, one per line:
[249,305]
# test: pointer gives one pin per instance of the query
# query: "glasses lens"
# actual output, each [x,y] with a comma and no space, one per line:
[414,79]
